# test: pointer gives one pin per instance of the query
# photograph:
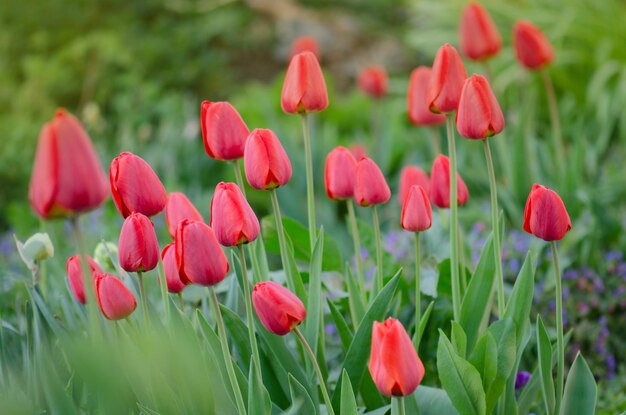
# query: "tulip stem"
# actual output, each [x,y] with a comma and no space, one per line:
[318,371]
[399,406]
[228,361]
[434,137]
[282,241]
[249,315]
[357,242]
[560,364]
[559,147]
[144,300]
[310,194]
[496,229]
[238,177]
[181,302]
[379,253]
[163,286]
[418,293]
[454,258]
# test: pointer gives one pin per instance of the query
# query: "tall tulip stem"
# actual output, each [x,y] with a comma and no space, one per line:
[379,252]
[238,177]
[398,407]
[318,371]
[88,282]
[163,287]
[418,292]
[496,228]
[559,147]
[144,299]
[310,194]
[454,257]
[282,240]
[356,241]
[228,361]
[560,363]
[249,315]
[434,138]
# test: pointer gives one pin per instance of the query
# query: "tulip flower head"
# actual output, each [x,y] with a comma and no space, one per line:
[67,176]
[532,48]
[370,186]
[177,208]
[199,256]
[279,310]
[304,89]
[306,44]
[394,365]
[446,80]
[138,247]
[175,284]
[74,269]
[479,115]
[416,211]
[265,161]
[417,106]
[410,176]
[440,184]
[224,132]
[114,299]
[339,174]
[478,35]
[373,81]
[232,218]
[545,215]
[135,186]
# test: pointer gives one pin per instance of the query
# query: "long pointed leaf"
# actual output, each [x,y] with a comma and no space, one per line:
[581,391]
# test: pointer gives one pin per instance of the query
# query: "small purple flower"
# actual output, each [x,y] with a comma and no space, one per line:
[611,256]
[521,379]
[610,364]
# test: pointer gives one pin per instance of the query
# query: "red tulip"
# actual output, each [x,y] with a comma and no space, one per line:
[440,184]
[304,44]
[135,186]
[370,186]
[416,211]
[179,207]
[265,161]
[419,113]
[409,176]
[175,283]
[138,246]
[446,80]
[479,37]
[279,310]
[67,176]
[232,218]
[545,215]
[373,81]
[223,130]
[532,48]
[115,300]
[199,257]
[479,115]
[339,174]
[394,364]
[75,275]
[304,89]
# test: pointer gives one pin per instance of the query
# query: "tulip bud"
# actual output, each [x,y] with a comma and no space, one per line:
[67,176]
[177,208]
[479,115]
[265,161]
[446,80]
[36,248]
[373,81]
[416,211]
[279,310]
[440,184]
[224,132]
[103,254]
[199,257]
[74,269]
[305,44]
[479,37]
[232,218]
[174,283]
[138,245]
[417,106]
[545,215]
[135,186]
[532,48]
[394,365]
[115,300]
[304,89]
[339,174]
[370,186]
[410,176]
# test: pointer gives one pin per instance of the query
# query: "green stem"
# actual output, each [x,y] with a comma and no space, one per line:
[357,242]
[318,371]
[488,72]
[461,251]
[144,300]
[238,176]
[559,147]
[228,361]
[496,229]
[379,252]
[181,302]
[282,240]
[434,138]
[249,315]
[163,286]
[454,258]
[560,364]
[399,406]
[310,193]
[418,293]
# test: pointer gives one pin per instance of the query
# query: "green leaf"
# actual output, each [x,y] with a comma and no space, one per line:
[581,391]
[485,358]
[503,332]
[355,299]
[345,334]
[238,332]
[430,401]
[459,339]
[423,322]
[521,299]
[314,305]
[259,402]
[460,379]
[544,350]
[348,401]
[300,397]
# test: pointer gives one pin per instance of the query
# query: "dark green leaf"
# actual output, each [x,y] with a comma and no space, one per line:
[544,351]
[581,392]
